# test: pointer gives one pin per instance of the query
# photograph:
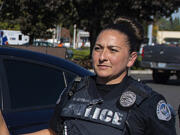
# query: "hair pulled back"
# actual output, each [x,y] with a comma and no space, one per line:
[131,28]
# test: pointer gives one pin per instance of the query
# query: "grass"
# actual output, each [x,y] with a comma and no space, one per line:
[81,57]
[81,53]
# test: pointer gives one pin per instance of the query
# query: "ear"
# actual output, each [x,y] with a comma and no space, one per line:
[132,59]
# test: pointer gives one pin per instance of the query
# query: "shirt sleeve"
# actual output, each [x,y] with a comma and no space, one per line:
[159,118]
[56,122]
[152,117]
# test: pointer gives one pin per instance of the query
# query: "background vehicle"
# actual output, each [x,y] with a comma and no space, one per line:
[30,84]
[46,47]
[163,59]
[41,43]
[13,37]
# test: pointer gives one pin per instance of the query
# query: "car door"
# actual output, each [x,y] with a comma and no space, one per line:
[30,91]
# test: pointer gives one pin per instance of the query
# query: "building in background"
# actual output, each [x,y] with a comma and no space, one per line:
[82,39]
[62,36]
[168,37]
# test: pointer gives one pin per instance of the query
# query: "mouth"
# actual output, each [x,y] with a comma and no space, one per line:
[103,67]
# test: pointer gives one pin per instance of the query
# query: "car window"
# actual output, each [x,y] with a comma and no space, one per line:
[33,85]
[172,41]
[36,43]
[43,44]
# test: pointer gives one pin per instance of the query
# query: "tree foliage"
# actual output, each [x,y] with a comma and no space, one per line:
[34,17]
[37,16]
[169,24]
[93,15]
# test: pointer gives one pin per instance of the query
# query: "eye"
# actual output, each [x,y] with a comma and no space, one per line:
[97,48]
[114,50]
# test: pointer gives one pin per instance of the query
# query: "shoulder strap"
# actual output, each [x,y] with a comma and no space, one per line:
[69,90]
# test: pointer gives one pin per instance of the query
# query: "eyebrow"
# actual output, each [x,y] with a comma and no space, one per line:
[109,45]
[114,46]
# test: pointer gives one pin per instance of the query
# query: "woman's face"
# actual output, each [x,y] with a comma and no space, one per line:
[111,57]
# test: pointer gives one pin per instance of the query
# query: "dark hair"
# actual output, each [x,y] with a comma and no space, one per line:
[131,28]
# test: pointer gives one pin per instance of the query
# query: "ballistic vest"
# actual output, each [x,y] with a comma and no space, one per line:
[81,108]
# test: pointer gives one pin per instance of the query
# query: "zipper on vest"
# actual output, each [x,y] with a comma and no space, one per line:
[65,129]
[95,102]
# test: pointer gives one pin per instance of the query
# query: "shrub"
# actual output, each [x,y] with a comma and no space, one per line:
[82,57]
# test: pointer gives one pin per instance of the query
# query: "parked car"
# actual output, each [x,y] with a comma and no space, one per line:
[30,84]
[69,53]
[41,43]
[164,60]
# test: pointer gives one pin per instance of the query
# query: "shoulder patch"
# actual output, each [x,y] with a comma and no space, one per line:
[163,112]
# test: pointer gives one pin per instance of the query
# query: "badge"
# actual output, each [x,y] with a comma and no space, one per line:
[127,99]
[163,111]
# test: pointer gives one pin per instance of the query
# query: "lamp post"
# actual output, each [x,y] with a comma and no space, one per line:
[74,37]
[150,30]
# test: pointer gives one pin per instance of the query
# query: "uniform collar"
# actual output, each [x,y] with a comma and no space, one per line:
[116,92]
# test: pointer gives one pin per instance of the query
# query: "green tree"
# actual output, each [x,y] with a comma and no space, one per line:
[93,15]
[175,24]
[35,17]
[169,24]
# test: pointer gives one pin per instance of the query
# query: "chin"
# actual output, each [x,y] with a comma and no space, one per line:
[102,75]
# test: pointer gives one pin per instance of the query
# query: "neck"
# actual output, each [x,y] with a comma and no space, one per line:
[111,80]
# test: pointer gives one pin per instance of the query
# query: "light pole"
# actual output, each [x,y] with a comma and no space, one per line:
[74,37]
[150,31]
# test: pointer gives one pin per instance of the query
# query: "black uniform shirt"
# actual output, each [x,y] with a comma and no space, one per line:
[112,89]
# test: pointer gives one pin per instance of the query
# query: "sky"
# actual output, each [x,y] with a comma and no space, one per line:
[176,14]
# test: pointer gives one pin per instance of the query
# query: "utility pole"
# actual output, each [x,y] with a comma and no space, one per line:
[58,36]
[74,37]
[150,31]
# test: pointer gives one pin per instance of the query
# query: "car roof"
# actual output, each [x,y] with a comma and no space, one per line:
[49,59]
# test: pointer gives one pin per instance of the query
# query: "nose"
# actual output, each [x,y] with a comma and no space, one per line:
[103,55]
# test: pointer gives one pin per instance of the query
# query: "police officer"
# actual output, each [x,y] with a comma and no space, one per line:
[111,102]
